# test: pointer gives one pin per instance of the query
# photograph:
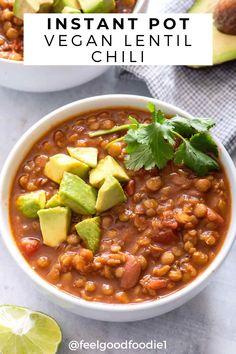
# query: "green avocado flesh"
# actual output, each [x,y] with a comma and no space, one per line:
[70,10]
[77,195]
[110,194]
[90,232]
[60,163]
[97,6]
[60,5]
[54,225]
[54,201]
[30,203]
[74,194]
[87,155]
[31,6]
[107,167]
[224,45]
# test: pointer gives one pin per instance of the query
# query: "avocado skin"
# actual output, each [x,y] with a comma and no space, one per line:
[77,194]
[224,45]
[110,194]
[90,232]
[30,203]
[54,225]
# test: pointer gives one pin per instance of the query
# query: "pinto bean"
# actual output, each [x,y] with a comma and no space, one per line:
[131,273]
[130,188]
[214,216]
[165,236]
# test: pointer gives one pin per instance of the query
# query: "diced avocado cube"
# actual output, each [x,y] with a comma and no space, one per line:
[30,203]
[54,201]
[70,10]
[60,163]
[87,155]
[97,6]
[77,195]
[90,232]
[28,6]
[59,5]
[107,167]
[54,225]
[110,194]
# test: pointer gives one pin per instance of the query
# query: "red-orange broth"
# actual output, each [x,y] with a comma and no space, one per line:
[166,234]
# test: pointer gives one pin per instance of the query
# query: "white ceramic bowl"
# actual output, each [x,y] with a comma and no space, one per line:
[13,74]
[101,311]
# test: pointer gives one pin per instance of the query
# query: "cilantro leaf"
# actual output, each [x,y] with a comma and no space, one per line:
[205,143]
[181,125]
[157,115]
[134,123]
[141,157]
[159,139]
[202,124]
[144,135]
[167,132]
[193,158]
[188,126]
[162,150]
[151,107]
[131,141]
[154,145]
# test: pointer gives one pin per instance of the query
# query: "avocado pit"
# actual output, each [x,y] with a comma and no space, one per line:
[225,16]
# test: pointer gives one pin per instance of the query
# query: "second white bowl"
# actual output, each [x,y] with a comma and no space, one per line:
[14,75]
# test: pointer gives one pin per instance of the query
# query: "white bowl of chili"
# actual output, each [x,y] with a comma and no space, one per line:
[14,75]
[104,310]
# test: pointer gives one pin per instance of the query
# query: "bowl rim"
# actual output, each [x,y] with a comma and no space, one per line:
[137,9]
[8,238]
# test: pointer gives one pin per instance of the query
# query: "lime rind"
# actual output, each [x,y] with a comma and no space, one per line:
[23,331]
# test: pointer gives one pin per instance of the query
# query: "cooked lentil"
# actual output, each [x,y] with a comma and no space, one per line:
[169,230]
[11,32]
[11,35]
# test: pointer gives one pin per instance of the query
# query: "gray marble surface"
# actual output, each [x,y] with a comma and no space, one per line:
[205,325]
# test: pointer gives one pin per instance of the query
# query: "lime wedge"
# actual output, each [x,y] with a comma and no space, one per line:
[23,331]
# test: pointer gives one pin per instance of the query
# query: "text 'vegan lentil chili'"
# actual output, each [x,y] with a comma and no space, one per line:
[167,232]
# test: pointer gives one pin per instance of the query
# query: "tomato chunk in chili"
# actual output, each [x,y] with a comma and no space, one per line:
[168,231]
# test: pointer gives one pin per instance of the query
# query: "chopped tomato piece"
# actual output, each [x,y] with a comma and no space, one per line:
[30,245]
[153,282]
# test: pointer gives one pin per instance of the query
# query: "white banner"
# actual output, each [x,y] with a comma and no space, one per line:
[118,39]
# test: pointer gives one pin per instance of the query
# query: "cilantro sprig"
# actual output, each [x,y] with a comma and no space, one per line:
[179,139]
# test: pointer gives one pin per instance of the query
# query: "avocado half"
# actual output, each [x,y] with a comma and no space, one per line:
[224,45]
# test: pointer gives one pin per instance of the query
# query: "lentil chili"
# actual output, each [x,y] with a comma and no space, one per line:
[11,32]
[11,28]
[168,231]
